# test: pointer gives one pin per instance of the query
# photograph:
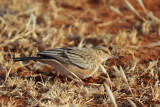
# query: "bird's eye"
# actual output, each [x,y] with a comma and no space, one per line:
[107,52]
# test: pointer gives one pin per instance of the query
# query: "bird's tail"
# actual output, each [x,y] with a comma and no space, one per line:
[27,58]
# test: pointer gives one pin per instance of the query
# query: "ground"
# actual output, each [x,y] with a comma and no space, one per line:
[130,29]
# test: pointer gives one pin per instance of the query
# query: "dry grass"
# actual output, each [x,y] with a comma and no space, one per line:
[130,28]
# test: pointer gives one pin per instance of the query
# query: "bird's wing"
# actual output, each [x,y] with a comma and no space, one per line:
[80,57]
[74,55]
[57,54]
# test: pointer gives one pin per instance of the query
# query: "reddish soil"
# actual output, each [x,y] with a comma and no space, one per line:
[115,23]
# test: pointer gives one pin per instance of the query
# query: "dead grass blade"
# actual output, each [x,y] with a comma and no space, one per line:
[110,94]
[103,69]
[116,10]
[122,74]
[142,5]
[132,103]
[133,9]
[153,44]
[81,43]
[7,75]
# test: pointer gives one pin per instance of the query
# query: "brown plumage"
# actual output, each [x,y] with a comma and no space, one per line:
[73,61]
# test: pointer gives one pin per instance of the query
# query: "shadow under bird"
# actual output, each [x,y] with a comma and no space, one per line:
[73,62]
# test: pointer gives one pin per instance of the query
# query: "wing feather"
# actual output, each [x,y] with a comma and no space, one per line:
[74,55]
[80,57]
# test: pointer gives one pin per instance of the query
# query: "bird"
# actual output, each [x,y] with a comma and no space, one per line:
[73,62]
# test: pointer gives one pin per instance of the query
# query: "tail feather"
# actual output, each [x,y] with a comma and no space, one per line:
[27,58]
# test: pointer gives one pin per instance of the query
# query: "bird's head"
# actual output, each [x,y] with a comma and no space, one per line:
[104,53]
